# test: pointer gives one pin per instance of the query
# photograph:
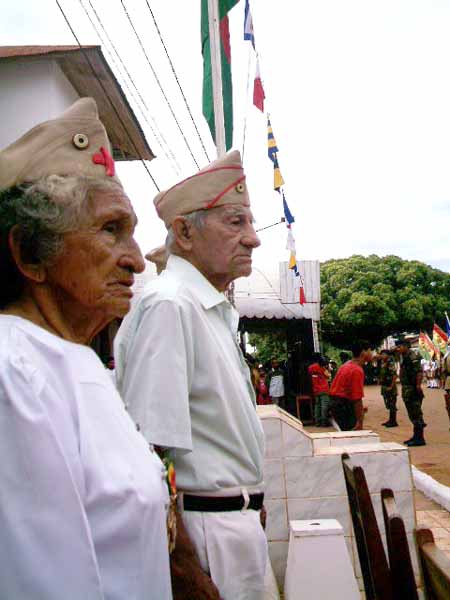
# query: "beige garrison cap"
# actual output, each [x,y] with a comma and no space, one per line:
[158,256]
[221,182]
[75,143]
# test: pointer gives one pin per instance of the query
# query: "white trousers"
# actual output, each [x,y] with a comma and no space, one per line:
[232,549]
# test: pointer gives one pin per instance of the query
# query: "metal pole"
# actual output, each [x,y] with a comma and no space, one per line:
[216,68]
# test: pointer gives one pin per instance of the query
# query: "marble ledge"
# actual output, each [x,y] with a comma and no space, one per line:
[362,448]
[339,439]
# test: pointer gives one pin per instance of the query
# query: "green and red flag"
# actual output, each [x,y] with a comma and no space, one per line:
[225,50]
[426,347]
[440,338]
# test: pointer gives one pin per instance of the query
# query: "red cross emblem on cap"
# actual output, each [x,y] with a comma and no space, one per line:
[104,158]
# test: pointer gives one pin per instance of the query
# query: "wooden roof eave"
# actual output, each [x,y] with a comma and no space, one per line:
[90,75]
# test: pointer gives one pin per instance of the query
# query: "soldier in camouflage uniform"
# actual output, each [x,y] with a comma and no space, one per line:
[412,394]
[388,381]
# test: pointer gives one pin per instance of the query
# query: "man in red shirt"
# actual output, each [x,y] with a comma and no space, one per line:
[347,389]
[319,378]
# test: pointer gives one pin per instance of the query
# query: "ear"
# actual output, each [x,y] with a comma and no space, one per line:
[183,232]
[33,271]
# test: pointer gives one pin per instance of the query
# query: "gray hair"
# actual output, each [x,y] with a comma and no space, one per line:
[196,218]
[41,213]
[54,205]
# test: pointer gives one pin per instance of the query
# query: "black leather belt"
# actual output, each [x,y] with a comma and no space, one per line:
[221,503]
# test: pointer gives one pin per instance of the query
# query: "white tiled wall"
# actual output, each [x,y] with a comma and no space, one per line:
[304,480]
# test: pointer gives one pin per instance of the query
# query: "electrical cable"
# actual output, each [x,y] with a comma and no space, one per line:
[179,84]
[106,94]
[160,139]
[158,82]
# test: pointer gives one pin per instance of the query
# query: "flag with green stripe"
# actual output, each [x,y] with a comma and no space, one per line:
[227,90]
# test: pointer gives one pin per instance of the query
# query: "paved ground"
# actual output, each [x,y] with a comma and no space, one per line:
[431,515]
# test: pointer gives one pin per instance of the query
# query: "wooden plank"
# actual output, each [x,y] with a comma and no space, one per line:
[372,557]
[124,131]
[435,566]
[125,134]
[400,565]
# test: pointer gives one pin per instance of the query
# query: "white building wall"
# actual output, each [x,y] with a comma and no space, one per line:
[31,92]
[310,272]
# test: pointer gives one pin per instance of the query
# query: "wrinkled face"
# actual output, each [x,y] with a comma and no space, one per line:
[222,248]
[94,273]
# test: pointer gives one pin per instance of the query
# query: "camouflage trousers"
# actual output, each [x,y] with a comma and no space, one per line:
[390,398]
[413,403]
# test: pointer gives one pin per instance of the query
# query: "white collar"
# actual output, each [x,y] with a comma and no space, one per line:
[208,295]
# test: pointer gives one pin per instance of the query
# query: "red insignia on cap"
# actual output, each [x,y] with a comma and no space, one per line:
[104,158]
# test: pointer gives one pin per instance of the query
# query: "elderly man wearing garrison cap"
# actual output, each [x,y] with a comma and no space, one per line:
[184,379]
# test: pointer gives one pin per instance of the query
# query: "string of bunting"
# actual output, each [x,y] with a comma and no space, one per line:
[278,181]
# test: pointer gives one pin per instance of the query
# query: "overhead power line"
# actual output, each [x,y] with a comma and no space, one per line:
[86,57]
[177,80]
[158,82]
[153,126]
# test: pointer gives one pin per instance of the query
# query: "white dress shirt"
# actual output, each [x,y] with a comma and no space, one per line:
[82,498]
[184,380]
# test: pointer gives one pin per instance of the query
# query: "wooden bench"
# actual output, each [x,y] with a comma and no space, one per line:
[372,557]
[400,565]
[435,566]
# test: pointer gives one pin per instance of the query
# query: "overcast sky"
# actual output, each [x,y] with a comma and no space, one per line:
[359,97]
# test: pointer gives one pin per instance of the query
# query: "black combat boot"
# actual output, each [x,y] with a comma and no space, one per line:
[406,442]
[392,419]
[417,439]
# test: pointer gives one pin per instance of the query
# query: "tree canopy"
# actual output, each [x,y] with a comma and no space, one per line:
[269,345]
[372,297]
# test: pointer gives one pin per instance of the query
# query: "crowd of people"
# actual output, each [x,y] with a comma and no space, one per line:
[338,392]
[152,490]
[433,374]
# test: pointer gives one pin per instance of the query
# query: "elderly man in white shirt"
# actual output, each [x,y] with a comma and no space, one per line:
[186,384]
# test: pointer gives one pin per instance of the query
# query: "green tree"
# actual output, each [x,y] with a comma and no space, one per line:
[372,297]
[269,345]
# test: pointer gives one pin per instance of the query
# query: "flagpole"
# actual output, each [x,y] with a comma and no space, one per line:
[216,69]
